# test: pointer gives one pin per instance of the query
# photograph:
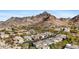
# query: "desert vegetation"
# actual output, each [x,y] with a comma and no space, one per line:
[43,31]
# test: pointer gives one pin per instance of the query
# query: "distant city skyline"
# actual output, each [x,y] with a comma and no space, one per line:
[6,14]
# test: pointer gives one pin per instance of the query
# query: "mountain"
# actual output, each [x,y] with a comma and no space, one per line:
[75,20]
[40,19]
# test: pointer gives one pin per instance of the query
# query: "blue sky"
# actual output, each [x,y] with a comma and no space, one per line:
[6,14]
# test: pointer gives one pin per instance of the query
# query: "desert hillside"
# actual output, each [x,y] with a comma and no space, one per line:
[42,31]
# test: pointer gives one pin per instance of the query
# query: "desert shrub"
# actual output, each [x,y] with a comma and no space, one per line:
[51,30]
[13,29]
[76,42]
[39,29]
[73,31]
[29,27]
[7,32]
[22,27]
[2,30]
[24,45]
[9,41]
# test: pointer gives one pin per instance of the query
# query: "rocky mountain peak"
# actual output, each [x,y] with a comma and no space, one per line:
[75,19]
[44,14]
[16,18]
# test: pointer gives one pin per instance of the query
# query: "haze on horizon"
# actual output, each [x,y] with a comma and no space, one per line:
[6,14]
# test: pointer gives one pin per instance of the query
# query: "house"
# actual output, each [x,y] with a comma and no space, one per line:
[27,38]
[71,46]
[41,45]
[57,29]
[3,35]
[66,29]
[18,40]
